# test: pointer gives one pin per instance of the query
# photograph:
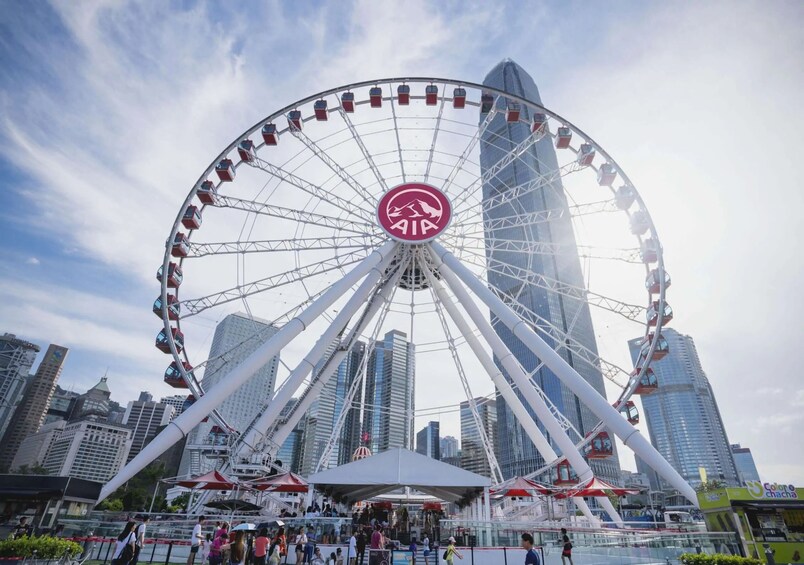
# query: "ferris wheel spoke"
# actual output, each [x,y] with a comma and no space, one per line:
[277,245]
[301,216]
[464,157]
[398,142]
[197,305]
[436,129]
[348,206]
[363,149]
[358,188]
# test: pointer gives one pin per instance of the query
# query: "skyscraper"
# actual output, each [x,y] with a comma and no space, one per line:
[30,414]
[388,419]
[683,419]
[61,405]
[290,452]
[515,452]
[17,356]
[90,450]
[473,455]
[236,337]
[145,419]
[449,447]
[34,448]
[428,441]
[746,468]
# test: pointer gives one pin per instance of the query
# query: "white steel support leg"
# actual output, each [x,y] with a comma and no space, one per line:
[261,426]
[191,417]
[629,435]
[506,391]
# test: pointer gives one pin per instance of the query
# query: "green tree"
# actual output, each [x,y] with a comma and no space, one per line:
[35,469]
[709,486]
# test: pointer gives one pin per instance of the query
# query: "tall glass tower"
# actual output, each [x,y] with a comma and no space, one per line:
[515,452]
[683,419]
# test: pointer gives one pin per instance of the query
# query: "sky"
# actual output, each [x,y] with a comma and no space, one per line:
[109,111]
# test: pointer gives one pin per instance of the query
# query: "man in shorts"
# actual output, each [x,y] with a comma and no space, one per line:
[196,539]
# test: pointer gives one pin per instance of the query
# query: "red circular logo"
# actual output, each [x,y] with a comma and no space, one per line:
[414,212]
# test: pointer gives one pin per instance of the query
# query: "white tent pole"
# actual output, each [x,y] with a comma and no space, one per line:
[203,406]
[629,435]
[506,391]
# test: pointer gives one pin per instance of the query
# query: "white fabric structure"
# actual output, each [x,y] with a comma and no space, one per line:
[398,468]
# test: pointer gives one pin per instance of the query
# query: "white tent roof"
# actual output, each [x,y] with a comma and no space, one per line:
[396,468]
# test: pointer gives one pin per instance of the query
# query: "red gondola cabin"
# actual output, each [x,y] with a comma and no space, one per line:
[565,476]
[375,97]
[586,154]
[600,447]
[539,123]
[640,222]
[181,246]
[173,375]
[649,251]
[625,197]
[403,94]
[348,102]
[606,174]
[431,95]
[207,193]
[173,307]
[459,98]
[653,280]
[175,275]
[295,120]
[246,151]
[629,410]
[191,218]
[662,347]
[269,134]
[563,137]
[486,103]
[653,314]
[512,112]
[647,384]
[162,340]
[320,109]
[225,170]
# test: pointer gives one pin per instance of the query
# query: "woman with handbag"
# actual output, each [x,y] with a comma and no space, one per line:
[124,548]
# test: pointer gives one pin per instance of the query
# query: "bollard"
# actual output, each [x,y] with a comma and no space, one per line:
[170,549]
[472,551]
[153,552]
[505,555]
[106,558]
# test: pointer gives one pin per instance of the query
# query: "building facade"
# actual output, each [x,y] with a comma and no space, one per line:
[473,455]
[515,453]
[90,450]
[34,448]
[176,401]
[744,461]
[449,447]
[428,441]
[236,337]
[94,404]
[389,400]
[290,452]
[682,416]
[145,419]
[30,414]
[17,356]
[61,405]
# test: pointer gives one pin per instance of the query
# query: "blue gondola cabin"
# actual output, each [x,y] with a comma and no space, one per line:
[348,102]
[269,134]
[225,170]
[459,98]
[431,95]
[207,193]
[174,277]
[403,94]
[320,110]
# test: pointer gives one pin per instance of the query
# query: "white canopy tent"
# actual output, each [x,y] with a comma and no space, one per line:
[390,470]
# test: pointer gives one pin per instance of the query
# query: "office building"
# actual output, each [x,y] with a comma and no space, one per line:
[388,419]
[30,414]
[449,447]
[61,405]
[34,449]
[176,401]
[145,419]
[290,452]
[428,441]
[570,316]
[744,461]
[94,404]
[236,337]
[17,356]
[682,416]
[90,450]
[323,415]
[473,453]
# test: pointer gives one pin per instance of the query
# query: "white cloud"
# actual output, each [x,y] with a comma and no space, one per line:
[32,261]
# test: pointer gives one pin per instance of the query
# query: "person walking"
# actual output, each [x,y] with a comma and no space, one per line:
[426,548]
[261,547]
[451,552]
[413,548]
[139,534]
[531,557]
[360,545]
[301,541]
[196,539]
[281,540]
[566,551]
[351,553]
[124,547]
[237,549]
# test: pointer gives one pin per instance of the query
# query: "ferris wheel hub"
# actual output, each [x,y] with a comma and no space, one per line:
[414,212]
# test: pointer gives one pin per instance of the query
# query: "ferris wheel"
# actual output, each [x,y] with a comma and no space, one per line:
[424,204]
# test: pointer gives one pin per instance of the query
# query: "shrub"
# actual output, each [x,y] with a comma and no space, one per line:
[716,559]
[46,547]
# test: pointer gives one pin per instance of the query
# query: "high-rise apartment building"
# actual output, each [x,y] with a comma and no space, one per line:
[145,419]
[449,447]
[322,416]
[473,454]
[90,450]
[176,401]
[683,419]
[388,419]
[744,460]
[236,337]
[515,452]
[428,440]
[30,414]
[17,356]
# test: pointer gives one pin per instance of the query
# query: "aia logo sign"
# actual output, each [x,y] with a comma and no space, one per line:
[414,212]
